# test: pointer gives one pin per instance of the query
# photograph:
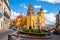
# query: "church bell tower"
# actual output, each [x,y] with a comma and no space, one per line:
[30,10]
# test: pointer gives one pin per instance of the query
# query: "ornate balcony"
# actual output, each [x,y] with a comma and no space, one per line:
[7,4]
[6,15]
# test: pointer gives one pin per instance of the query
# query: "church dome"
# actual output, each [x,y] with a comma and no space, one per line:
[20,16]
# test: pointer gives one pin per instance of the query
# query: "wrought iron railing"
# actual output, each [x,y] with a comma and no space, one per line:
[6,14]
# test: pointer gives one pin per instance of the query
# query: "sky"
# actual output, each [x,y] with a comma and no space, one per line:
[50,8]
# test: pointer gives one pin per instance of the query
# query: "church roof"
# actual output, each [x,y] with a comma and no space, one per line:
[41,9]
[21,15]
[30,10]
[30,7]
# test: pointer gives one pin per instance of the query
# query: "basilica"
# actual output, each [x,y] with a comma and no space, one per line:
[35,21]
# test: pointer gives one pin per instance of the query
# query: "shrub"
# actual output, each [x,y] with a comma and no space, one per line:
[33,32]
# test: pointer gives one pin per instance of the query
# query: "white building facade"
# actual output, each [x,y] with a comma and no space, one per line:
[5,15]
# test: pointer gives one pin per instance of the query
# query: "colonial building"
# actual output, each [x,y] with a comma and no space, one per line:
[33,20]
[5,11]
[58,20]
[1,15]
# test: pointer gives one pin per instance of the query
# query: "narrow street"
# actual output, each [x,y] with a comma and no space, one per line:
[4,35]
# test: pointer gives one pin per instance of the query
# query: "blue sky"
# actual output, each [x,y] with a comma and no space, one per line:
[50,8]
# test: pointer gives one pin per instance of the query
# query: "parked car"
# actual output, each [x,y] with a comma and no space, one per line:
[14,28]
[53,30]
[57,32]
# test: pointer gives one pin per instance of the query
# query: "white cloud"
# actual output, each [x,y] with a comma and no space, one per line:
[14,14]
[44,10]
[23,5]
[37,6]
[51,1]
[50,18]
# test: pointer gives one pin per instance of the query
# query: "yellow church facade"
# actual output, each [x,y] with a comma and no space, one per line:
[32,19]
